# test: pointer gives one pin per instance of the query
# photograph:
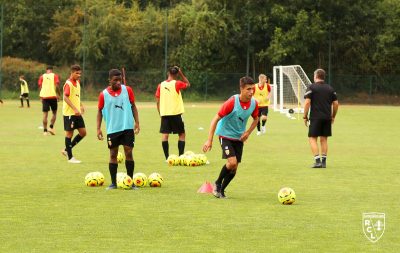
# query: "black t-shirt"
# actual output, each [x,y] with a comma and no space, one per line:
[322,96]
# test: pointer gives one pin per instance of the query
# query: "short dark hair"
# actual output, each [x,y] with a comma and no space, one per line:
[75,67]
[246,80]
[114,72]
[49,67]
[173,70]
[320,74]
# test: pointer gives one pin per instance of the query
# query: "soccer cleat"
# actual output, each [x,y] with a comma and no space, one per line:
[51,131]
[46,134]
[73,160]
[258,133]
[134,187]
[323,164]
[263,130]
[317,165]
[111,187]
[64,152]
[222,195]
[217,190]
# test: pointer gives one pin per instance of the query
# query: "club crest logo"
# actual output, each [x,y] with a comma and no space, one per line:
[226,150]
[373,225]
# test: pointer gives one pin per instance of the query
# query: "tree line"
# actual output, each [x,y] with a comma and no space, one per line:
[358,37]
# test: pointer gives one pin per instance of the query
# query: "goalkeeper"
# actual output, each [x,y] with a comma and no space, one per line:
[230,125]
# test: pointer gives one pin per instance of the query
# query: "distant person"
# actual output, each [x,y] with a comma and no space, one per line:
[72,112]
[117,106]
[230,125]
[24,91]
[49,94]
[262,94]
[322,99]
[170,107]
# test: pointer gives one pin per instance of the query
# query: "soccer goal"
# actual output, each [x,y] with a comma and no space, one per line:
[290,84]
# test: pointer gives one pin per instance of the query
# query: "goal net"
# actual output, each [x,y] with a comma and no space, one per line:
[290,84]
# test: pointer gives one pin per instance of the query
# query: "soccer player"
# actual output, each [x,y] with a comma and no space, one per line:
[49,94]
[170,108]
[117,106]
[262,94]
[322,99]
[24,91]
[72,112]
[230,125]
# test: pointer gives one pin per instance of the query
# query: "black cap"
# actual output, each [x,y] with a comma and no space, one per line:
[114,72]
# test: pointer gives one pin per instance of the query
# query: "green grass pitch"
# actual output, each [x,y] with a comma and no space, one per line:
[45,206]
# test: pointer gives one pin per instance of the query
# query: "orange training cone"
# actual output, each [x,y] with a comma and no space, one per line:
[207,187]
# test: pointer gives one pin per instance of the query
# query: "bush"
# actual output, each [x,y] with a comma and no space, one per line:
[12,68]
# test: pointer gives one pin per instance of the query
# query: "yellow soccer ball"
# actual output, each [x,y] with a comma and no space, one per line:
[125,182]
[155,180]
[91,179]
[100,178]
[140,179]
[120,157]
[286,196]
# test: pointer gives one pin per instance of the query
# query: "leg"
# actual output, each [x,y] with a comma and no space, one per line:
[113,167]
[165,145]
[129,162]
[53,119]
[263,121]
[324,149]
[22,101]
[45,114]
[68,143]
[315,151]
[81,134]
[181,143]
[231,165]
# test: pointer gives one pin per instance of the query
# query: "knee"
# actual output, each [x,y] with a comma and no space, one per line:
[263,117]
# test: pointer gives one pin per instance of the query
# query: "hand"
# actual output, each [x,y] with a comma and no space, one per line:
[82,109]
[244,136]
[306,122]
[99,134]
[136,128]
[207,146]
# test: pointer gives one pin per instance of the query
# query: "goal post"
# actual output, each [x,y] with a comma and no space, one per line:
[290,84]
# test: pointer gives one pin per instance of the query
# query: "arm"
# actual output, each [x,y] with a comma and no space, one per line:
[66,99]
[208,144]
[158,105]
[247,133]
[184,79]
[58,93]
[99,119]
[335,106]
[136,117]
[307,104]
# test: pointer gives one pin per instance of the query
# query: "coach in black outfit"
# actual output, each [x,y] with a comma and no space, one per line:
[324,105]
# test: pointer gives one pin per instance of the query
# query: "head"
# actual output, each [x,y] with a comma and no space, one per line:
[246,88]
[49,69]
[173,72]
[76,72]
[319,75]
[262,79]
[21,77]
[115,77]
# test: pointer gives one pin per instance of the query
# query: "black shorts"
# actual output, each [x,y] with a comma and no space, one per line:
[125,138]
[73,122]
[172,124]
[262,111]
[49,104]
[320,127]
[231,148]
[24,95]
